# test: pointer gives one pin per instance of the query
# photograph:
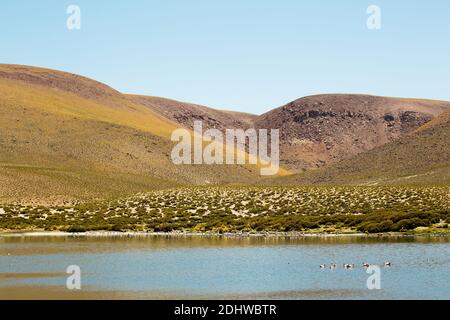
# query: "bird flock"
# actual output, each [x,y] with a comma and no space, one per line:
[347,266]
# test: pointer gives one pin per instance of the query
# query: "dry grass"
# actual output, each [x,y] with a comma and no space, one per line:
[66,138]
[248,209]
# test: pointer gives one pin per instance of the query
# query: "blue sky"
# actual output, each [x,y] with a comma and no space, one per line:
[247,55]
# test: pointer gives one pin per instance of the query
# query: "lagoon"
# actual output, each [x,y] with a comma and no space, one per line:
[213,267]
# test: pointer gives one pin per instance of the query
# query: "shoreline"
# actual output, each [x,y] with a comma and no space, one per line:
[291,235]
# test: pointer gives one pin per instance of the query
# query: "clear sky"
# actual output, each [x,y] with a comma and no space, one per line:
[247,55]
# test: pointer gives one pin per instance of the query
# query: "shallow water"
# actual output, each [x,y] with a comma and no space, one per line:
[161,267]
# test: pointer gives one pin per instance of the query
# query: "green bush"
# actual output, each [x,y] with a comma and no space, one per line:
[164,227]
[119,227]
[376,227]
[76,229]
[410,224]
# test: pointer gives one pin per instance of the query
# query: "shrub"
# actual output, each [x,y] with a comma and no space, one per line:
[410,224]
[118,227]
[164,227]
[76,229]
[376,227]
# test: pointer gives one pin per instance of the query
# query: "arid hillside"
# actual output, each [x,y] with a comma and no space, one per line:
[186,113]
[422,157]
[321,130]
[65,138]
[316,131]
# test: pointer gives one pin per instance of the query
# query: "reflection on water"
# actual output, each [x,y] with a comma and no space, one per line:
[168,267]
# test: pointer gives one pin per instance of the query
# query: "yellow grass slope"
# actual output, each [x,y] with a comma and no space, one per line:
[71,95]
[65,138]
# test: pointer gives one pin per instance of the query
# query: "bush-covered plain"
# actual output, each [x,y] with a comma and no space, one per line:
[248,209]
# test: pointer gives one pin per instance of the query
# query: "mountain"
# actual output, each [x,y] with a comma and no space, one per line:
[66,138]
[320,130]
[422,157]
[316,131]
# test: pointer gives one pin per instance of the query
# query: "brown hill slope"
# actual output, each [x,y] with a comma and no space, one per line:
[186,113]
[316,131]
[422,157]
[65,138]
[320,130]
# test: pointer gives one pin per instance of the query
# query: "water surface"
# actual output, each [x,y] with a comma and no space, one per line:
[188,267]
